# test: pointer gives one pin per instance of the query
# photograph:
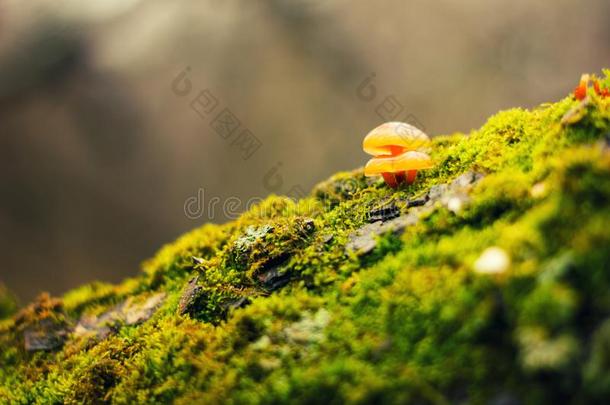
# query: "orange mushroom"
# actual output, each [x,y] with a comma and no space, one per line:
[393,146]
[580,92]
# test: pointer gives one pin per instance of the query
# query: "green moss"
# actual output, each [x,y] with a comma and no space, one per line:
[8,303]
[272,308]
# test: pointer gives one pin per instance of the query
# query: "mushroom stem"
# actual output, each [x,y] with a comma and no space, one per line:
[410,176]
[390,179]
[400,177]
[396,179]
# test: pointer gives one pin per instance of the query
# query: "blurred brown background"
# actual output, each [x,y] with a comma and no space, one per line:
[99,154]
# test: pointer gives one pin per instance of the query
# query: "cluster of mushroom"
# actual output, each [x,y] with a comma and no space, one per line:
[394,147]
[580,92]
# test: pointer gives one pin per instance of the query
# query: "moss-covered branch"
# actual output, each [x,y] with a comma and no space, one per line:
[359,293]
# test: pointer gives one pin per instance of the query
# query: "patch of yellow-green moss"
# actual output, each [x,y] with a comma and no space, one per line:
[412,321]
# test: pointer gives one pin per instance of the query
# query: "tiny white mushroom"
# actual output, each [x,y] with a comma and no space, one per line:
[493,260]
[538,190]
[455,204]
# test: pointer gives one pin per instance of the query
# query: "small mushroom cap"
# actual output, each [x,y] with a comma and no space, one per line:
[391,136]
[411,160]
